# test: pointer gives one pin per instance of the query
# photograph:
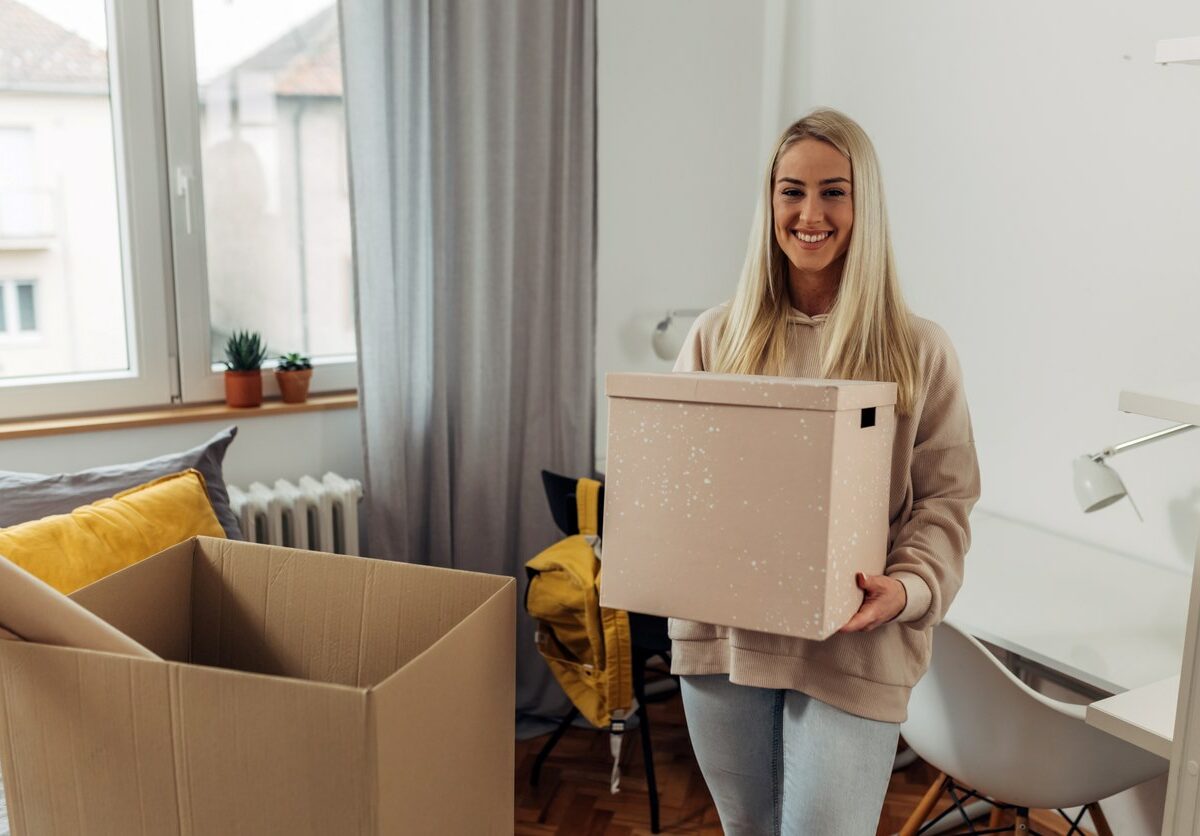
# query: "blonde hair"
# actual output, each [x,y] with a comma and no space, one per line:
[868,335]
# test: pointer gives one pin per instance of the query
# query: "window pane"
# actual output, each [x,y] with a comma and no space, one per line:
[26,316]
[3,311]
[58,191]
[277,212]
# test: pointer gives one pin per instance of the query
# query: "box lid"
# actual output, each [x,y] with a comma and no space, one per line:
[752,390]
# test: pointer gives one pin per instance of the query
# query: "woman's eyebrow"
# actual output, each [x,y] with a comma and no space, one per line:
[824,182]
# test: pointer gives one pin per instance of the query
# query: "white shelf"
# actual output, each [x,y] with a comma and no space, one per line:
[1178,51]
[1179,402]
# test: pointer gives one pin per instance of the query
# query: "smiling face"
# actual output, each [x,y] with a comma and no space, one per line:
[813,208]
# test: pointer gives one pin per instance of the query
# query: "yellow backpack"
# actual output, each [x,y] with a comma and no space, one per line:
[586,646]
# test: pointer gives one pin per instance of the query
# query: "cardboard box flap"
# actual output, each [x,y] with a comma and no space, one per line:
[36,612]
[150,601]
[752,390]
[322,617]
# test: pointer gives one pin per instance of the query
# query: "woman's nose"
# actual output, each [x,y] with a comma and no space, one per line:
[810,210]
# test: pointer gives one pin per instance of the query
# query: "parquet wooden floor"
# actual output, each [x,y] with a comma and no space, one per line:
[572,798]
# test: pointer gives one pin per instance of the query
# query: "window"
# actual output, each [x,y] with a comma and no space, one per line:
[18,308]
[26,313]
[214,130]
[259,112]
[84,328]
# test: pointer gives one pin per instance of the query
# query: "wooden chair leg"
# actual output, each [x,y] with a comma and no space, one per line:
[994,819]
[924,807]
[1098,820]
[1021,823]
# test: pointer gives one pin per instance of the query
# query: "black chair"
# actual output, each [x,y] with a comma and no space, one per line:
[647,638]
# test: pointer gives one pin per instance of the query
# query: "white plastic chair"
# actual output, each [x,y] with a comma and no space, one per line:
[990,733]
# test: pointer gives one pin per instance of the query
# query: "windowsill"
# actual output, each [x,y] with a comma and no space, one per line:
[158,416]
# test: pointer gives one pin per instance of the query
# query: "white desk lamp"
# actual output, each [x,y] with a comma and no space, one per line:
[668,341]
[1097,485]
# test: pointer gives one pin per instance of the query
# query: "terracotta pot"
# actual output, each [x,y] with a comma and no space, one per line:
[293,386]
[243,388]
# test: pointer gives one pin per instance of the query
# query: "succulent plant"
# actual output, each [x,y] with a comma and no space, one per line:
[244,351]
[292,362]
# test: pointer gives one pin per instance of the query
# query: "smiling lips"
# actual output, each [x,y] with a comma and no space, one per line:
[812,240]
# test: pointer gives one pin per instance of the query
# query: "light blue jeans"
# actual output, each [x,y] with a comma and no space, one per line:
[781,763]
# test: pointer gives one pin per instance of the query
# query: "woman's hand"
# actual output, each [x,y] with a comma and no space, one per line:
[884,599]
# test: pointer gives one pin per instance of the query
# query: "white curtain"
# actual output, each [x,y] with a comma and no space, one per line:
[472,154]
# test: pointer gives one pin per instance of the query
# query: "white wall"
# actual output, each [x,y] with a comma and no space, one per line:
[1044,189]
[680,85]
[266,448]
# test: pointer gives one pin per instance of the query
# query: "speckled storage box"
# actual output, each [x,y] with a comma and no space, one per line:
[746,501]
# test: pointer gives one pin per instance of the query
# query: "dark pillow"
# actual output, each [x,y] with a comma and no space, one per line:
[31,496]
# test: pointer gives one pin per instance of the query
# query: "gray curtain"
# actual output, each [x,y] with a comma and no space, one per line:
[472,146]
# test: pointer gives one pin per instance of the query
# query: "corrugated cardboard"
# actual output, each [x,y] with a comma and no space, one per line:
[298,693]
[32,610]
[745,501]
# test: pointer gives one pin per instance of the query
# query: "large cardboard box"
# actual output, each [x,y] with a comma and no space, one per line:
[745,501]
[297,693]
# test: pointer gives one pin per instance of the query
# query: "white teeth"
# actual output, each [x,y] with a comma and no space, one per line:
[812,239]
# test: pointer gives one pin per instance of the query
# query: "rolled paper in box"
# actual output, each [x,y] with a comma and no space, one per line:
[32,610]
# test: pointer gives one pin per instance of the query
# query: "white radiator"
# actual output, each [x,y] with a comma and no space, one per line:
[310,514]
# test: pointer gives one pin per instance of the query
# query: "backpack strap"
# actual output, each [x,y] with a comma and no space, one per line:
[587,506]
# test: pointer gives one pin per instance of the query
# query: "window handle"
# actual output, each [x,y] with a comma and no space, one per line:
[183,189]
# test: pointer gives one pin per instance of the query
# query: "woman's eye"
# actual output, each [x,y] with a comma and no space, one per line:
[834,193]
[792,193]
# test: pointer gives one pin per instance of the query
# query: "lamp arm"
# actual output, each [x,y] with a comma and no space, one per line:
[1138,442]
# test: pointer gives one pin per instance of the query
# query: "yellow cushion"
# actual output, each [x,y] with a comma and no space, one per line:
[69,551]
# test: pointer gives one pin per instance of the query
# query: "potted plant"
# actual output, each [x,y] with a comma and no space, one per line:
[293,372]
[244,353]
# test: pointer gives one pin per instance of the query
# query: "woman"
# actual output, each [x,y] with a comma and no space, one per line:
[796,736]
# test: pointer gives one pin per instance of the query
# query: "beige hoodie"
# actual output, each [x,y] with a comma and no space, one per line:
[935,483]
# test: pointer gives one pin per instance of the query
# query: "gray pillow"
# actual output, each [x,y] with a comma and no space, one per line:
[31,496]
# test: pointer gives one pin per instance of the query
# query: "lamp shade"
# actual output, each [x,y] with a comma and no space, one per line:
[1096,484]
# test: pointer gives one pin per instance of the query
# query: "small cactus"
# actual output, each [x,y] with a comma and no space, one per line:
[244,351]
[292,362]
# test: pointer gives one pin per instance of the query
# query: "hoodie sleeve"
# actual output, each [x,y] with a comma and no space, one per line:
[928,551]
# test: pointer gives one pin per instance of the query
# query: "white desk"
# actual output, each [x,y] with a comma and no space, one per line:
[1111,621]
[1143,716]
